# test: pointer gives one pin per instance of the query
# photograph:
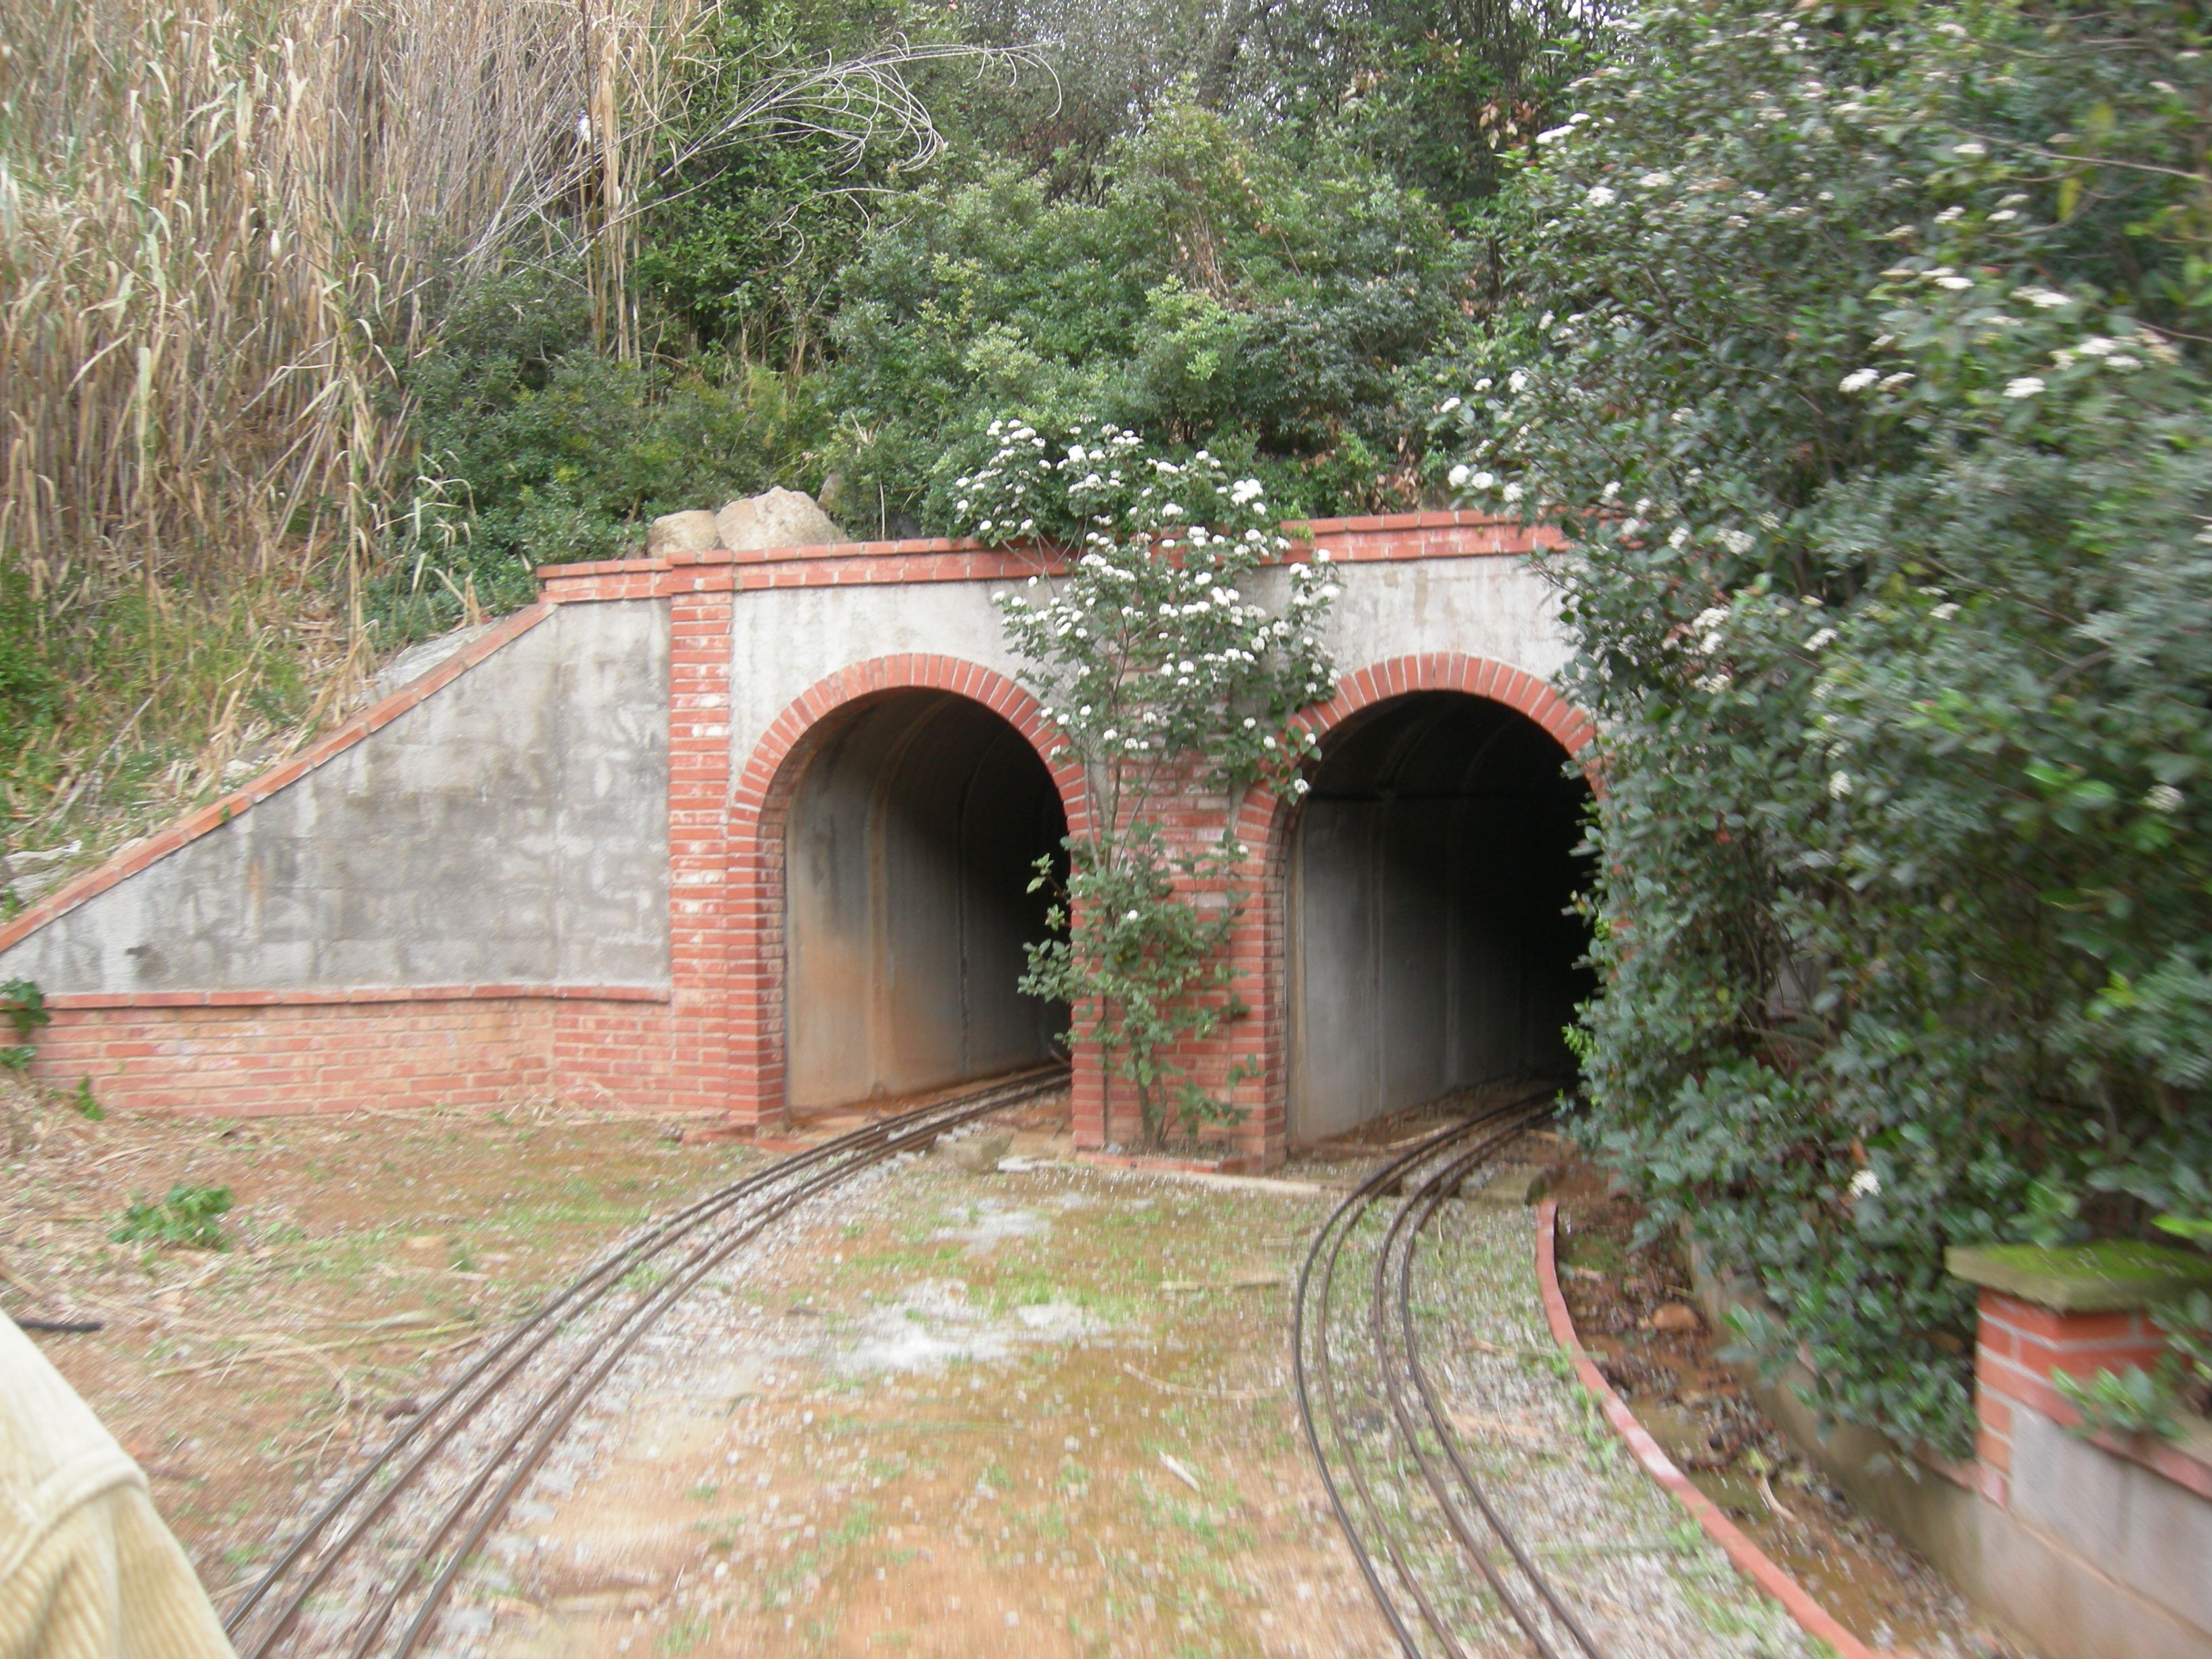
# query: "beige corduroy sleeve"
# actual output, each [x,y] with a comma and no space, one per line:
[88,1570]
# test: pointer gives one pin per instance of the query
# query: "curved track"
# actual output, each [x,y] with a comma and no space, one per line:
[1398,1476]
[370,1573]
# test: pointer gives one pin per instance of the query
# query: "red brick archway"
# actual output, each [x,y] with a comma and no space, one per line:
[1260,1042]
[760,807]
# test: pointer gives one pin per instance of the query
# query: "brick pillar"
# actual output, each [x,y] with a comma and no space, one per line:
[1258,1042]
[2018,1348]
[2072,1309]
[699,907]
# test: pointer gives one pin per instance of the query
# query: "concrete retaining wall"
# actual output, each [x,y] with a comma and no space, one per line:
[2086,1551]
[512,828]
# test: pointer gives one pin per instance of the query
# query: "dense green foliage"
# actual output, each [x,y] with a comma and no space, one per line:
[1861,361]
[1210,296]
[537,448]
[805,243]
[1224,225]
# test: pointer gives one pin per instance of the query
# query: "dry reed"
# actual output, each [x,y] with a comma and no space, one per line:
[221,222]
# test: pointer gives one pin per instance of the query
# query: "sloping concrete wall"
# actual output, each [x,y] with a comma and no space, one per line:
[511,829]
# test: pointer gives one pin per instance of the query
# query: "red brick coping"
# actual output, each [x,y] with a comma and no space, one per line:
[1754,1563]
[1381,539]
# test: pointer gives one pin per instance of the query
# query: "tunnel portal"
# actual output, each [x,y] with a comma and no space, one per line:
[1430,869]
[912,839]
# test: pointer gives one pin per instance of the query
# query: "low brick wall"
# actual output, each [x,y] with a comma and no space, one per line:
[2088,1547]
[256,1054]
[2133,1512]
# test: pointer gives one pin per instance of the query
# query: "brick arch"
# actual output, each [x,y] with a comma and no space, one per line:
[759,812]
[1262,1043]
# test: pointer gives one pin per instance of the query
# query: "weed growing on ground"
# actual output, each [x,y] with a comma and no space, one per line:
[187,1219]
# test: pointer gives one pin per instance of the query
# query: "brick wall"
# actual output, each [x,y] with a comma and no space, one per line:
[2019,1347]
[257,1054]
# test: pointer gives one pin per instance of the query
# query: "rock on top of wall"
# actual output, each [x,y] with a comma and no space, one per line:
[681,532]
[777,518]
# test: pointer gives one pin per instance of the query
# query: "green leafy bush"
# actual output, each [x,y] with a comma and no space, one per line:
[1861,368]
[2151,1401]
[24,1007]
[188,1217]
[535,448]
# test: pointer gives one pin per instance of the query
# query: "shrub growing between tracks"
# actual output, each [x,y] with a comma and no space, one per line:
[1164,675]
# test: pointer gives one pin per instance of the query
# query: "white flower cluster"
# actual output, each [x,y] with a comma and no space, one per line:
[1148,648]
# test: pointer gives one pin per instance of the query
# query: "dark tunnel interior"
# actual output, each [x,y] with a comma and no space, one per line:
[1431,867]
[912,839]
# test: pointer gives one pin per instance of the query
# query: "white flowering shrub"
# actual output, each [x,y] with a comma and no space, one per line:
[1166,675]
[1864,367]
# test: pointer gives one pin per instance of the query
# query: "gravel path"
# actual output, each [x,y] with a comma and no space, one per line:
[1044,1414]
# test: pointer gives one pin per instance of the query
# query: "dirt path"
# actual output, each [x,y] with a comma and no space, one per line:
[1041,1413]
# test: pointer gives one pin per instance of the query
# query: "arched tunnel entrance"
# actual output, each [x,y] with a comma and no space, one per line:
[912,841]
[1431,867]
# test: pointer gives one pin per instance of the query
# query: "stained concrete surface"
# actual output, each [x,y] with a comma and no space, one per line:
[512,828]
[913,841]
[787,640]
[1433,863]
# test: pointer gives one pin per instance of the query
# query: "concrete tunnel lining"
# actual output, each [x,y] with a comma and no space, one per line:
[913,837]
[1431,868]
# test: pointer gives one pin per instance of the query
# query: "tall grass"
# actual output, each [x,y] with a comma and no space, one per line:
[222,223]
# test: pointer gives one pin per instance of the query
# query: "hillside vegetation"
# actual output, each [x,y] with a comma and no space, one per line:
[321,324]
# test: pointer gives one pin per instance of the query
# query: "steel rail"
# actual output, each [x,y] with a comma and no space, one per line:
[531,1334]
[814,1170]
[551,1419]
[1405,1381]
[1400,1244]
[1327,1248]
[1379,1307]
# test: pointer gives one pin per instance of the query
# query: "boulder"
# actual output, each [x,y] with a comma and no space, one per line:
[681,533]
[780,518]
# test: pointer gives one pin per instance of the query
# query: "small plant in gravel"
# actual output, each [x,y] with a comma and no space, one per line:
[84,1104]
[189,1218]
[1165,679]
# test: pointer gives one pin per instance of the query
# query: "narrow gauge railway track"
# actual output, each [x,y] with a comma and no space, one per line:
[1379,1431]
[370,1573]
